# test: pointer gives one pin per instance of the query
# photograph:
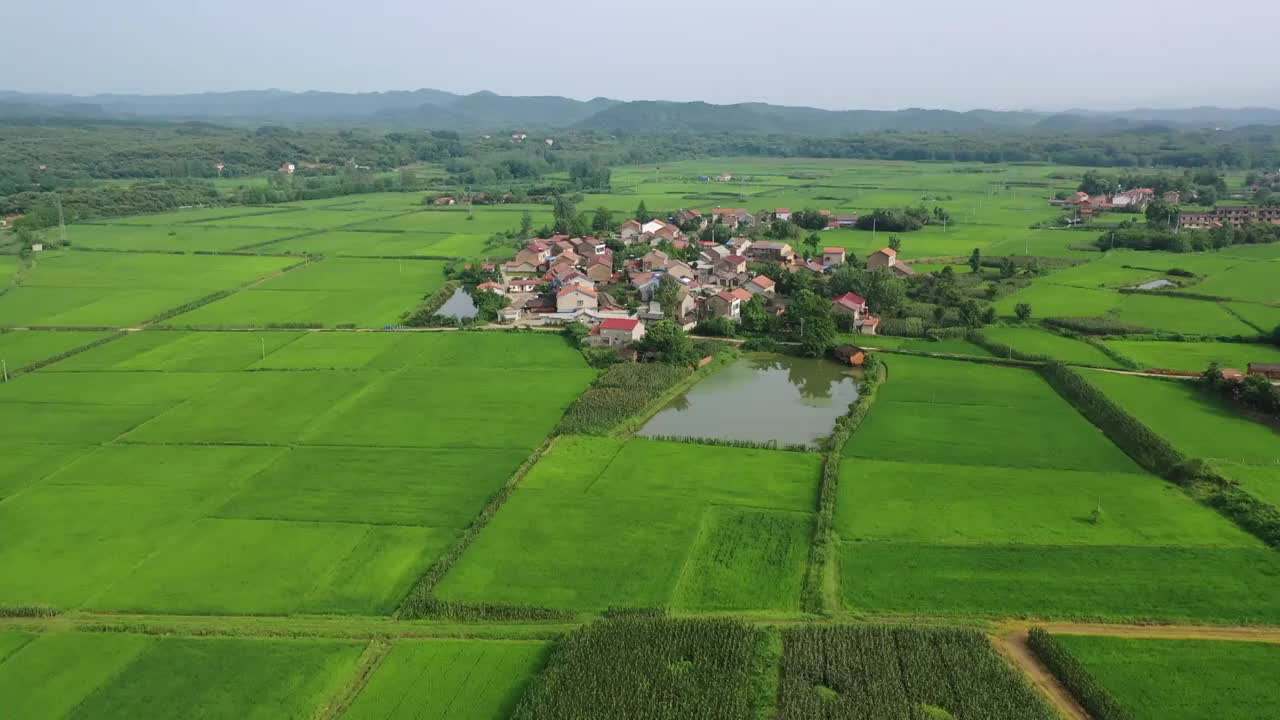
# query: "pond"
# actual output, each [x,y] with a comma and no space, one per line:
[458,305]
[762,398]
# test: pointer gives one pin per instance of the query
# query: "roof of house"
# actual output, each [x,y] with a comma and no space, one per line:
[886,251]
[601,259]
[763,281]
[735,259]
[1264,367]
[735,294]
[782,210]
[872,320]
[489,286]
[851,301]
[626,324]
[643,278]
[770,245]
[833,251]
[575,288]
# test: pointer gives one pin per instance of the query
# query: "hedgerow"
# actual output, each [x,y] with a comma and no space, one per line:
[735,443]
[27,611]
[1096,699]
[811,599]
[1157,455]
[1097,326]
[903,673]
[445,610]
[652,668]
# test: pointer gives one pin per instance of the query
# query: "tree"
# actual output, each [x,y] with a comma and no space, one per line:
[1161,214]
[642,213]
[567,220]
[809,219]
[602,221]
[526,224]
[670,341]
[755,317]
[971,313]
[1023,311]
[812,242]
[809,321]
[668,296]
[895,244]
[975,260]
[1095,183]
[1007,268]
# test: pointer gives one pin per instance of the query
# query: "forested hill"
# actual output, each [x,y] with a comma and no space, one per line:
[487,111]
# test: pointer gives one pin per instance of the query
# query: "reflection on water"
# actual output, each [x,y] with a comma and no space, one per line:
[459,305]
[762,398]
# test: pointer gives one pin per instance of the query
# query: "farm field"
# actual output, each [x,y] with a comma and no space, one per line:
[23,348]
[873,671]
[333,500]
[1182,679]
[326,293]
[984,476]
[748,515]
[1202,427]
[121,289]
[463,679]
[1193,356]
[166,238]
[116,675]
[1039,342]
[955,346]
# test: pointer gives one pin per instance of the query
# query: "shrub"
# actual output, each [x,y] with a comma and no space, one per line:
[624,390]
[1097,326]
[902,327]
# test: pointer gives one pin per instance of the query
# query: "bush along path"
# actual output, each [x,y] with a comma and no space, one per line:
[820,595]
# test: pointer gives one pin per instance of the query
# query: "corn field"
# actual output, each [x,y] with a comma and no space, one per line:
[649,668]
[900,673]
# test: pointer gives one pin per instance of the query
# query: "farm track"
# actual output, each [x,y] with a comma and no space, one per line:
[1013,645]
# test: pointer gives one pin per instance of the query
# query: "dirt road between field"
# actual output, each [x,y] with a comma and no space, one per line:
[1239,633]
[1013,645]
[1011,641]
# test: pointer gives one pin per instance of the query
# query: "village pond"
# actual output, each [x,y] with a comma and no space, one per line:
[761,398]
[459,305]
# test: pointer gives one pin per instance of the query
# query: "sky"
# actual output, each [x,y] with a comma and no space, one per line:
[836,54]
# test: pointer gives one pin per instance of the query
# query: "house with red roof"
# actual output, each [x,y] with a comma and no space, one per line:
[600,268]
[851,304]
[833,256]
[728,303]
[616,332]
[760,285]
[782,214]
[492,287]
[522,285]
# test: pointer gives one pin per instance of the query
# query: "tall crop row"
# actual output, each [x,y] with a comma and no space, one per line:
[624,390]
[900,673]
[647,668]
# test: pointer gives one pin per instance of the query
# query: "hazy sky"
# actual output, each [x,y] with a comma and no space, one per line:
[1000,54]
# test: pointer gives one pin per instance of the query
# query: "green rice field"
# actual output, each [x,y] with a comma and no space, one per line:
[1182,679]
[749,511]
[985,477]
[1193,356]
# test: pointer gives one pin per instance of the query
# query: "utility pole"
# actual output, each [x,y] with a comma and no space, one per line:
[264,347]
[62,226]
[5,364]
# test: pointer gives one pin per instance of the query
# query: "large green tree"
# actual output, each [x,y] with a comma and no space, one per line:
[810,323]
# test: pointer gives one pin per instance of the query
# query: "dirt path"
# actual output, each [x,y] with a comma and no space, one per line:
[1168,632]
[1013,645]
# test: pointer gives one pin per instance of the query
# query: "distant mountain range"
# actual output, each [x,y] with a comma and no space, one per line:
[486,111]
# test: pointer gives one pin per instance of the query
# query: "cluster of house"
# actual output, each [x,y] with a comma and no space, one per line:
[1230,215]
[562,279]
[1086,206]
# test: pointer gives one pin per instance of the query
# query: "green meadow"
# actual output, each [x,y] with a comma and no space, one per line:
[1042,343]
[20,349]
[1193,356]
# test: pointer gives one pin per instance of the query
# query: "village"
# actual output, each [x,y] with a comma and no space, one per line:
[614,285]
